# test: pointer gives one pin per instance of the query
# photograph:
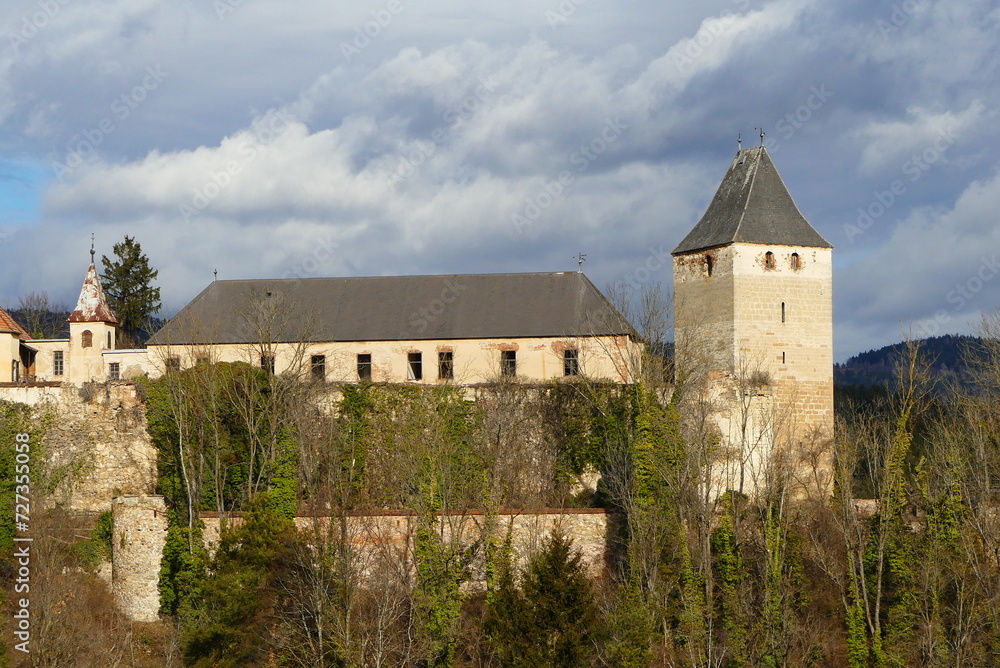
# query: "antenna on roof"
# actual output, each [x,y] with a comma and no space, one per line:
[580,259]
[739,142]
[91,248]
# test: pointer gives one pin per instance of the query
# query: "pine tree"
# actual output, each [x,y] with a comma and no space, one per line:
[128,285]
[553,621]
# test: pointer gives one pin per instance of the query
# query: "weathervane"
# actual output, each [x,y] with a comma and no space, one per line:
[580,259]
[739,142]
[92,248]
[761,135]
[215,273]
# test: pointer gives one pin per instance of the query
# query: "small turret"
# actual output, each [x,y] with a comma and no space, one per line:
[92,329]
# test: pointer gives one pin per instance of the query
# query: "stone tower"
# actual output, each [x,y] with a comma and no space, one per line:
[92,330]
[754,318]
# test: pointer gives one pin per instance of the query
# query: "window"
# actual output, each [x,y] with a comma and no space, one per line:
[446,365]
[769,260]
[796,261]
[114,371]
[267,362]
[318,367]
[201,360]
[782,358]
[782,311]
[57,363]
[109,341]
[15,371]
[571,361]
[508,362]
[87,338]
[414,366]
[364,366]
[709,263]
[173,364]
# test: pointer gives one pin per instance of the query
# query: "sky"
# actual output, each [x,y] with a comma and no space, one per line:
[390,137]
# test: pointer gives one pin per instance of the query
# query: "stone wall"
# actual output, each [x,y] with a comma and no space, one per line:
[376,537]
[95,446]
[140,532]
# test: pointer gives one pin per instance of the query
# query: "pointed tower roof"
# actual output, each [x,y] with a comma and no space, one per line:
[752,206]
[92,306]
[10,326]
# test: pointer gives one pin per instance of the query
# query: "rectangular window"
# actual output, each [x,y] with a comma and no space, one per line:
[318,367]
[267,362]
[508,362]
[114,371]
[57,363]
[364,366]
[571,362]
[15,371]
[173,364]
[446,365]
[414,366]
[201,360]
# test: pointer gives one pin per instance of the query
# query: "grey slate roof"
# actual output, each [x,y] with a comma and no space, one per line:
[394,308]
[752,206]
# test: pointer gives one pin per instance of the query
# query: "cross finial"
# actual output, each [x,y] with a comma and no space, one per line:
[580,259]
[92,253]
[761,136]
[739,141]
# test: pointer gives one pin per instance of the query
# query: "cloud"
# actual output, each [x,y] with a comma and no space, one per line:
[891,143]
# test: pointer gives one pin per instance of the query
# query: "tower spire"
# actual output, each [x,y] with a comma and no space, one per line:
[92,252]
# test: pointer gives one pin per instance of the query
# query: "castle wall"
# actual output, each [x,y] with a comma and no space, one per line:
[475,360]
[390,535]
[95,446]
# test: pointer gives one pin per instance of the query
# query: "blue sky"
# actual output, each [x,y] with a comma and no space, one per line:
[393,137]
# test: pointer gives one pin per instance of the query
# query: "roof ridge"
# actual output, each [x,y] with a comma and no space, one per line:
[753,182]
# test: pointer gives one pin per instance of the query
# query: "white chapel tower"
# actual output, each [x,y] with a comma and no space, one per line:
[754,315]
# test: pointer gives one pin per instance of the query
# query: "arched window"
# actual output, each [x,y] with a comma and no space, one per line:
[109,340]
[87,338]
[796,261]
[708,265]
[769,260]
[782,311]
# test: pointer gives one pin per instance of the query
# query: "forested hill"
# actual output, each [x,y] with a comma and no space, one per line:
[949,357]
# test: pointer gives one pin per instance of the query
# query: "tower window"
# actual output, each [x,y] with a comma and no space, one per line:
[708,265]
[446,364]
[782,357]
[414,366]
[796,261]
[769,260]
[364,366]
[571,357]
[57,363]
[508,363]
[782,311]
[109,340]
[87,338]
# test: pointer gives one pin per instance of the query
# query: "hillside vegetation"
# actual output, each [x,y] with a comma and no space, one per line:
[695,576]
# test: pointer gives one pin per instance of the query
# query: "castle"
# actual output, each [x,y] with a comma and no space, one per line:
[752,313]
[752,319]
